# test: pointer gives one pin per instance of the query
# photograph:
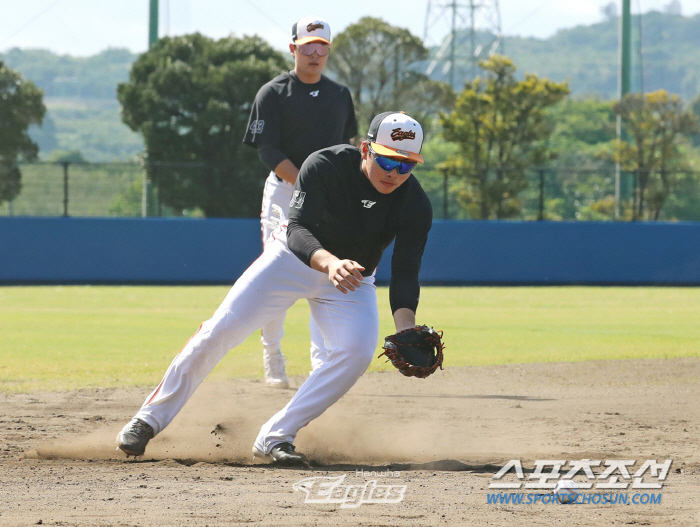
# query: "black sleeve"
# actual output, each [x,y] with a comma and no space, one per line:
[307,206]
[351,124]
[264,121]
[301,242]
[417,218]
[270,156]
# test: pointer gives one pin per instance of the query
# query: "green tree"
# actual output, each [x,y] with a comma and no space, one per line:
[580,122]
[61,156]
[21,105]
[695,108]
[190,98]
[374,60]
[582,183]
[128,202]
[501,127]
[656,125]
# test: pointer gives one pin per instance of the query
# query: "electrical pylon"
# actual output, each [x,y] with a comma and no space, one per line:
[461,34]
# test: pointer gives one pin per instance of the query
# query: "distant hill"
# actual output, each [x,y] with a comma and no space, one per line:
[587,56]
[66,77]
[83,113]
[80,96]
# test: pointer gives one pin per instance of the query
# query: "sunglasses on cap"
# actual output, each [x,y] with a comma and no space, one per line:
[388,164]
[320,48]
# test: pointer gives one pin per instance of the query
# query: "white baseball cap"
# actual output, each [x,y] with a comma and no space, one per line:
[396,134]
[311,29]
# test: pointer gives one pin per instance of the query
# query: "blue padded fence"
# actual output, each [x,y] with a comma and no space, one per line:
[217,251]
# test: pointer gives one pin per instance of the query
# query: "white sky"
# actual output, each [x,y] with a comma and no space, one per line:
[86,27]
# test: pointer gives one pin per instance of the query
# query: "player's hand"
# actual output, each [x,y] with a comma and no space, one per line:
[345,275]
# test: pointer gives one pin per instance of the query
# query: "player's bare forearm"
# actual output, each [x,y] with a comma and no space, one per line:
[287,171]
[404,318]
[345,275]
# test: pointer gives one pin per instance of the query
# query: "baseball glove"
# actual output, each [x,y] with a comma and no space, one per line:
[415,352]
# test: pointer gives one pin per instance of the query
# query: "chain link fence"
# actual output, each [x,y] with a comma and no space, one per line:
[568,194]
[78,189]
[123,190]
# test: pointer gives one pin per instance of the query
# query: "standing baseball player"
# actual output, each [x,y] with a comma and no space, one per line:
[293,115]
[348,205]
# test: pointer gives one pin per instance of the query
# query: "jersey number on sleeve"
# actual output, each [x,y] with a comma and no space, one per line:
[297,199]
[256,127]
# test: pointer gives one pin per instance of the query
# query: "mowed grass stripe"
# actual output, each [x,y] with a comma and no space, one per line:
[67,337]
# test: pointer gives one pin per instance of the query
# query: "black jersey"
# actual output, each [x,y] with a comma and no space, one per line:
[336,208]
[297,119]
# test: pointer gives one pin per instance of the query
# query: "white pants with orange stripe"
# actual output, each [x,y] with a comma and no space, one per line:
[348,323]
[280,193]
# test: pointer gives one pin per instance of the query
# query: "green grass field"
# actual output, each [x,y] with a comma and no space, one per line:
[67,337]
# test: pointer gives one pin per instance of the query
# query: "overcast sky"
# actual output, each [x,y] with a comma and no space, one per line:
[86,27]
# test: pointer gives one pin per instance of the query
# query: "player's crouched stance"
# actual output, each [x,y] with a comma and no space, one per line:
[348,205]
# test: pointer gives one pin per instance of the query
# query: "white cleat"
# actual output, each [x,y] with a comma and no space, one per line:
[259,455]
[275,374]
[277,383]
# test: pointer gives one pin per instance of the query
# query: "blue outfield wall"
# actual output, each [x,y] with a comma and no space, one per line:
[124,250]
[217,251]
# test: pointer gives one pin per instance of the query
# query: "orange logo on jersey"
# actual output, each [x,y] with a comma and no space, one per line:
[399,135]
[313,27]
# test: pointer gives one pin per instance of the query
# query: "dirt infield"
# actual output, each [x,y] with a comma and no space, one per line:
[441,440]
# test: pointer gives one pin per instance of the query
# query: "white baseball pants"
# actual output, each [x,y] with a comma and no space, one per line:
[280,193]
[348,323]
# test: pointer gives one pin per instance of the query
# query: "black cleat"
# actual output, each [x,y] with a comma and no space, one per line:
[285,455]
[134,437]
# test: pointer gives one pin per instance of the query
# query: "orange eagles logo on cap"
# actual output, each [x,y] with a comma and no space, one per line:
[312,27]
[399,135]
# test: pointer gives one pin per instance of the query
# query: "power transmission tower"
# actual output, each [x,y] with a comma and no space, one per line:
[473,29]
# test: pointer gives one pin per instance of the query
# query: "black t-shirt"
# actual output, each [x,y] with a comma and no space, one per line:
[296,119]
[336,208]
